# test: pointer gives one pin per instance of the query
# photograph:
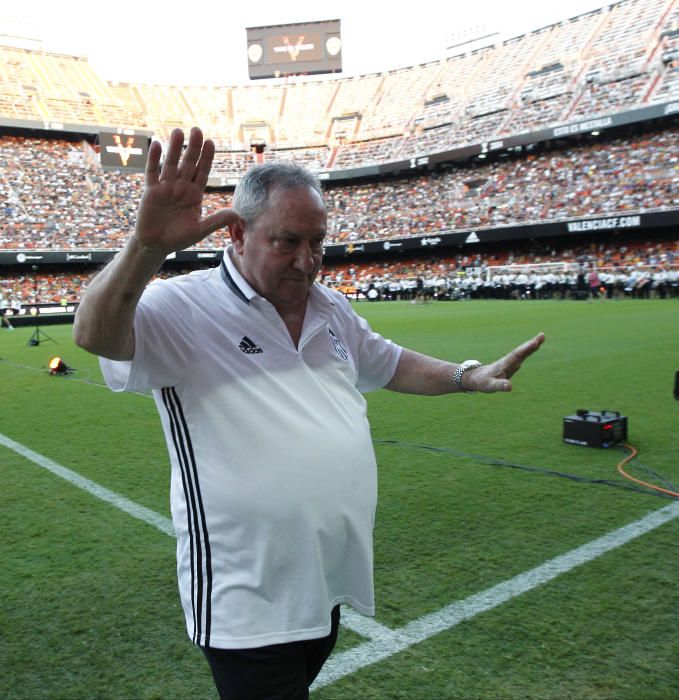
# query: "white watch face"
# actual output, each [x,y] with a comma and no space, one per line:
[254,52]
[333,45]
[471,364]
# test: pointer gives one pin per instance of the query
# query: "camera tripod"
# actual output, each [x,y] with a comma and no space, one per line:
[39,336]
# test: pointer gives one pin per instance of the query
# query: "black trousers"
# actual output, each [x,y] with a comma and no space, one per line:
[274,672]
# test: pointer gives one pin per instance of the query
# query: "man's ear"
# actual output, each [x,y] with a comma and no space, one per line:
[237,231]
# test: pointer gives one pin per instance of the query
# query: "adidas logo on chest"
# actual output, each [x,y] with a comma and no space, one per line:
[249,347]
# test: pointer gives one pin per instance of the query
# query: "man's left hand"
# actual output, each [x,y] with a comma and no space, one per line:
[496,375]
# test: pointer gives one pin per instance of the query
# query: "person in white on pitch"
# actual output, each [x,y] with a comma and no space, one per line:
[258,373]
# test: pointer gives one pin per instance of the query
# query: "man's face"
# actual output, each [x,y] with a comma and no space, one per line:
[280,253]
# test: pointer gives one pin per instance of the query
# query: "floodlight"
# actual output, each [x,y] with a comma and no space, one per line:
[58,366]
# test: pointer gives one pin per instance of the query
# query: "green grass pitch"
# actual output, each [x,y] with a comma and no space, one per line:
[90,607]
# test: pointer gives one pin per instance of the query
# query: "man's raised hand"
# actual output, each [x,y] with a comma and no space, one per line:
[496,375]
[169,215]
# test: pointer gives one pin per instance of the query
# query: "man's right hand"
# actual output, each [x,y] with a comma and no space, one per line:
[168,220]
[169,215]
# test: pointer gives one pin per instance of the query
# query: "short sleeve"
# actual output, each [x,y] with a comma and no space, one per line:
[163,335]
[376,357]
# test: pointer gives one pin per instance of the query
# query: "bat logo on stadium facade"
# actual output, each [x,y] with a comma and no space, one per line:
[293,50]
[124,151]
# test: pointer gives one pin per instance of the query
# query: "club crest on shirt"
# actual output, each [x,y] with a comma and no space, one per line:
[340,350]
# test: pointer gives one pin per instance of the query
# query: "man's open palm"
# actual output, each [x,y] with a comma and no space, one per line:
[169,215]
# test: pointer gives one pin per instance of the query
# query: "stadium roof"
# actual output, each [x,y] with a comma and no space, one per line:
[203,42]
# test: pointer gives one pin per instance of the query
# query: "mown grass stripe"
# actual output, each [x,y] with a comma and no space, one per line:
[366,627]
[115,499]
[385,642]
[427,626]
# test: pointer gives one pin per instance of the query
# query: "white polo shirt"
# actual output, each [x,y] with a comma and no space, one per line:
[274,480]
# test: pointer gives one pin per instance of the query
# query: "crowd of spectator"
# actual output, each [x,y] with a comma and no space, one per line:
[42,288]
[54,194]
[636,174]
[55,197]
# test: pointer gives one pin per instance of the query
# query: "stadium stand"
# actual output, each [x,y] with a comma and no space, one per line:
[56,197]
[611,61]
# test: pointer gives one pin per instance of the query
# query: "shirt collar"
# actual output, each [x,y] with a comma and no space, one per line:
[233,278]
[242,289]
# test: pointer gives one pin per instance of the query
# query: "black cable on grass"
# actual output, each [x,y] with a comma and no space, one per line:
[525,467]
[478,458]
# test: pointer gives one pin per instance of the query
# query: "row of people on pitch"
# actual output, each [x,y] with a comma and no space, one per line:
[468,276]
[637,283]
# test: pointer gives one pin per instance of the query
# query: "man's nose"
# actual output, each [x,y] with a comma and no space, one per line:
[304,257]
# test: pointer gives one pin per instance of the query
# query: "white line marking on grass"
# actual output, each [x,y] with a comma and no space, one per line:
[70,378]
[417,631]
[365,626]
[385,642]
[115,499]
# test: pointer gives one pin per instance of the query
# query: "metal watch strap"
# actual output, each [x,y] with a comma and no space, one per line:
[461,369]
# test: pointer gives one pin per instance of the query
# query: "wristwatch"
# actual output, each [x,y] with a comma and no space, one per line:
[461,369]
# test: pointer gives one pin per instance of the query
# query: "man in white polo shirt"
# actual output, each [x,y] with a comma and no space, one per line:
[258,374]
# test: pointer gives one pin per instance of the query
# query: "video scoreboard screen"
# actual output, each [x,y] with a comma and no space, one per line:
[123,151]
[294,49]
